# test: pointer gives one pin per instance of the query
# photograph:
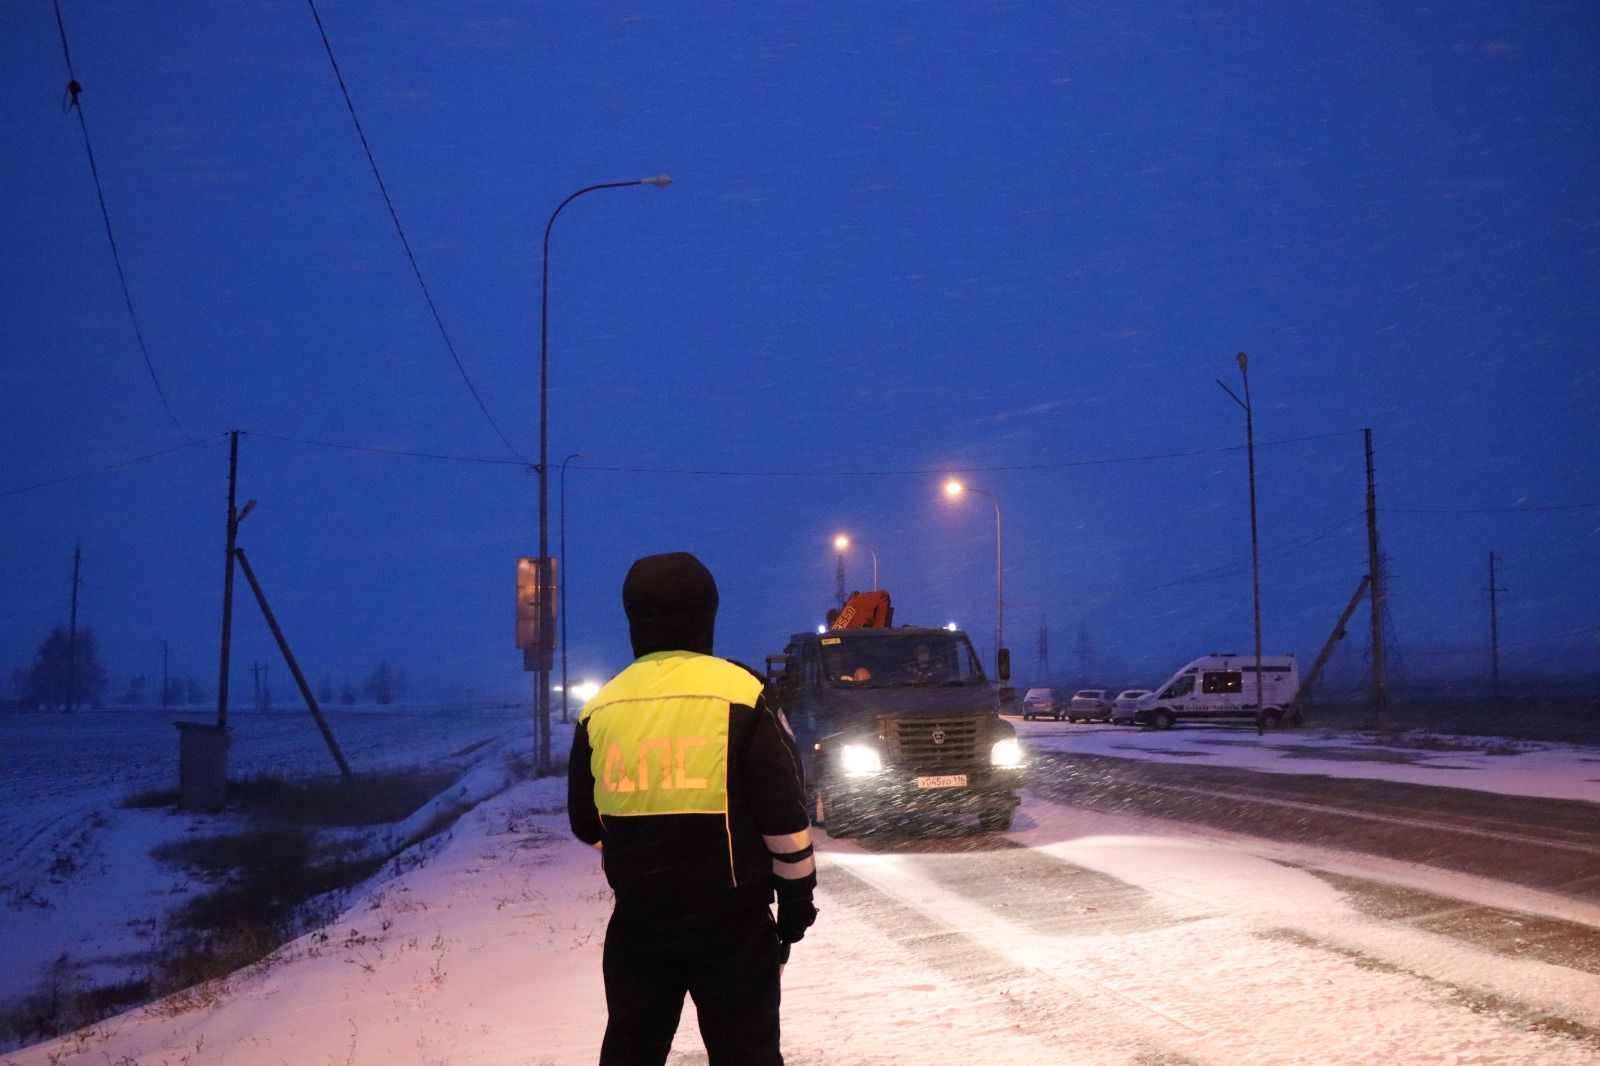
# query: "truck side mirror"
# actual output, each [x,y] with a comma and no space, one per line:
[1003,665]
[777,668]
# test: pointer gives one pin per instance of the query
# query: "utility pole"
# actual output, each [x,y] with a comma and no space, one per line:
[164,684]
[227,581]
[1255,543]
[1494,632]
[72,632]
[1380,680]
[1044,652]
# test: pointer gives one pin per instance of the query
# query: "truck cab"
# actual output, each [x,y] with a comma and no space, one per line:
[896,719]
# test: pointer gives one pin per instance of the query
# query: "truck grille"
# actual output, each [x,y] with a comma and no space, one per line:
[934,745]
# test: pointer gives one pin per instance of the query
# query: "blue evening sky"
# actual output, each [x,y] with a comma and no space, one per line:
[1016,241]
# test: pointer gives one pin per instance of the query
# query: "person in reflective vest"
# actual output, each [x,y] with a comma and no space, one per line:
[691,788]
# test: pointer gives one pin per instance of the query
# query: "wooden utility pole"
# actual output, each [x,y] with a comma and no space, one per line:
[294,667]
[1380,680]
[1494,632]
[227,582]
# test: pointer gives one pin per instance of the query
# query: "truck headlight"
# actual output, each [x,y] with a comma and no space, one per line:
[860,759]
[1006,752]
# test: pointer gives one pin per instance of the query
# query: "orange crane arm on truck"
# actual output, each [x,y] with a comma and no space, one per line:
[865,610]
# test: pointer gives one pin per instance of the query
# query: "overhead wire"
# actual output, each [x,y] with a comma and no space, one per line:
[813,473]
[958,468]
[379,450]
[193,442]
[375,450]
[72,103]
[405,242]
[1493,510]
[1231,569]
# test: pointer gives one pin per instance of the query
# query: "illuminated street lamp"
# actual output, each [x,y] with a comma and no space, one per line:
[954,489]
[541,652]
[842,544]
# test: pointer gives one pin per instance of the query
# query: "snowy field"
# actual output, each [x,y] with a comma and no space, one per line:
[487,949]
[60,773]
[68,850]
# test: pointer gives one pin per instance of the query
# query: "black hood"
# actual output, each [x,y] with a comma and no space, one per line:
[671,602]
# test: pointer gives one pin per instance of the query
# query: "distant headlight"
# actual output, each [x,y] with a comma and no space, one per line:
[1006,752]
[860,759]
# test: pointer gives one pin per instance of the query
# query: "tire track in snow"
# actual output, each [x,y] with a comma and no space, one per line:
[1182,970]
[1032,1000]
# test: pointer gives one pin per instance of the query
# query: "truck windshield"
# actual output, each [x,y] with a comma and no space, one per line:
[910,659]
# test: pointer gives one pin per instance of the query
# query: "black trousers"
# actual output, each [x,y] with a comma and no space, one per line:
[729,967]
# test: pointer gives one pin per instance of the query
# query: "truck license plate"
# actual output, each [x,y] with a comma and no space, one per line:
[943,781]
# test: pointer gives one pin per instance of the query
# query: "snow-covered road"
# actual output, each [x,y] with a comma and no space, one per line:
[1079,937]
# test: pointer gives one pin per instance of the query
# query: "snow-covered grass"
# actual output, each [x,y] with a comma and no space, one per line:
[482,946]
[85,907]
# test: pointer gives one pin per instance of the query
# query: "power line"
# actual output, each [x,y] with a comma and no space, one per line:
[1229,569]
[374,450]
[941,471]
[813,473]
[404,241]
[1478,649]
[1492,510]
[72,103]
[192,443]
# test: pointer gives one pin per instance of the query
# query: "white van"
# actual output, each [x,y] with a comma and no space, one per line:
[1222,688]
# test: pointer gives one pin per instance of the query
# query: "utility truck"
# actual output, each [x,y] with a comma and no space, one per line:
[1222,688]
[893,719]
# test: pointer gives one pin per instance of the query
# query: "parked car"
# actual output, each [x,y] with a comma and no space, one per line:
[1122,707]
[1039,702]
[1089,705]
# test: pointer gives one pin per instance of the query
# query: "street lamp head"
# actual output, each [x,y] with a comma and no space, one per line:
[662,180]
[954,488]
[1243,363]
[841,542]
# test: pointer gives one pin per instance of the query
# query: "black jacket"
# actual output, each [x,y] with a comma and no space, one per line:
[676,868]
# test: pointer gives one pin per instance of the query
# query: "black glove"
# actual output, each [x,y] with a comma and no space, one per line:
[795,915]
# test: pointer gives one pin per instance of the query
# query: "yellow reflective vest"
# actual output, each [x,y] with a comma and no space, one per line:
[658,734]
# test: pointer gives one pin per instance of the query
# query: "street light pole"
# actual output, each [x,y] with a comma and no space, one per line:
[1255,550]
[953,489]
[541,691]
[843,542]
[563,573]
